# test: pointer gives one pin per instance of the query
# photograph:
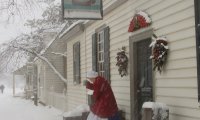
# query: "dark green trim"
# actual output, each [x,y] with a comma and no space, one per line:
[197,27]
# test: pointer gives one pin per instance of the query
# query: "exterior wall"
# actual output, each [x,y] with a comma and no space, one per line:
[118,21]
[176,85]
[53,82]
[51,86]
[40,75]
[76,93]
[57,100]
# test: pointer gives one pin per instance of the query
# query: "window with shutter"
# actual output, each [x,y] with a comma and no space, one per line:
[107,53]
[197,27]
[76,62]
[100,53]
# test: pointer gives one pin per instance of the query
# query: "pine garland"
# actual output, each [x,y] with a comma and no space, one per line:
[159,52]
[122,62]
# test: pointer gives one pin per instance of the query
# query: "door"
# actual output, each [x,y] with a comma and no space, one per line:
[143,79]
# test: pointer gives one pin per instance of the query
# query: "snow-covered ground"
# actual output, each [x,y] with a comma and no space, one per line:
[21,109]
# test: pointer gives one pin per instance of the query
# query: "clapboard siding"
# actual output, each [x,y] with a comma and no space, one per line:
[116,20]
[171,18]
[183,43]
[53,85]
[188,112]
[177,92]
[177,83]
[76,93]
[179,101]
[181,117]
[181,63]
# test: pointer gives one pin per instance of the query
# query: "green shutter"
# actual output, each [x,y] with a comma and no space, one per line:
[197,26]
[107,53]
[94,63]
[76,62]
[94,52]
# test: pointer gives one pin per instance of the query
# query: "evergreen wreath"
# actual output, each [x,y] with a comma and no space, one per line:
[140,20]
[159,52]
[122,62]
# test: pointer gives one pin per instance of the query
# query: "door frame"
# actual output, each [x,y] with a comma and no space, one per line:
[135,37]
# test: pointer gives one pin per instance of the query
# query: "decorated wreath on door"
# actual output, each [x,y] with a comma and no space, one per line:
[159,52]
[140,20]
[122,62]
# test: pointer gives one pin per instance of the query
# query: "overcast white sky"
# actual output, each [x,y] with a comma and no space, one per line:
[15,26]
[10,31]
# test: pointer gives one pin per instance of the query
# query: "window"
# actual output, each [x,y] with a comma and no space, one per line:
[197,26]
[100,53]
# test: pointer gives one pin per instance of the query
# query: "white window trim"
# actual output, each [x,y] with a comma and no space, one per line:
[100,61]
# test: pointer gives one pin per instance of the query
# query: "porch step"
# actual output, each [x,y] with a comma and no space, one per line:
[83,117]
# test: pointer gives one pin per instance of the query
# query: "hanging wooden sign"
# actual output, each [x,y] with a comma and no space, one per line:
[82,9]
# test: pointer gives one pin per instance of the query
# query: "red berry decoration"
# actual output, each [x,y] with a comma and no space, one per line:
[159,52]
[140,20]
[122,62]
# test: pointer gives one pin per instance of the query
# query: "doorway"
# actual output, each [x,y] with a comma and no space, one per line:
[141,72]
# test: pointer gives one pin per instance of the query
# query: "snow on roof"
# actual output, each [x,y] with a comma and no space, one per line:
[20,70]
[49,44]
[61,34]
[71,27]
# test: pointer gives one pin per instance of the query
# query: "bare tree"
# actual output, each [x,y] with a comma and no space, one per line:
[27,46]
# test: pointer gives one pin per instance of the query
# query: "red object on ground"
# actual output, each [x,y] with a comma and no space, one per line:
[105,104]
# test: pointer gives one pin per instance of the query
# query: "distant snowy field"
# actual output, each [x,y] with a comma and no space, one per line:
[17,108]
[7,80]
[21,109]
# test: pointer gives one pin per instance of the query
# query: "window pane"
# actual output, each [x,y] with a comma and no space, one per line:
[101,64]
[99,47]
[99,57]
[99,39]
[102,57]
[101,36]
[100,53]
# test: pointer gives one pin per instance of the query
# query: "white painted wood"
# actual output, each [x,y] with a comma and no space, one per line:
[179,102]
[177,92]
[194,113]
[176,85]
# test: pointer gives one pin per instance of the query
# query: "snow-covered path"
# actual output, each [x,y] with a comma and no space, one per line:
[20,109]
